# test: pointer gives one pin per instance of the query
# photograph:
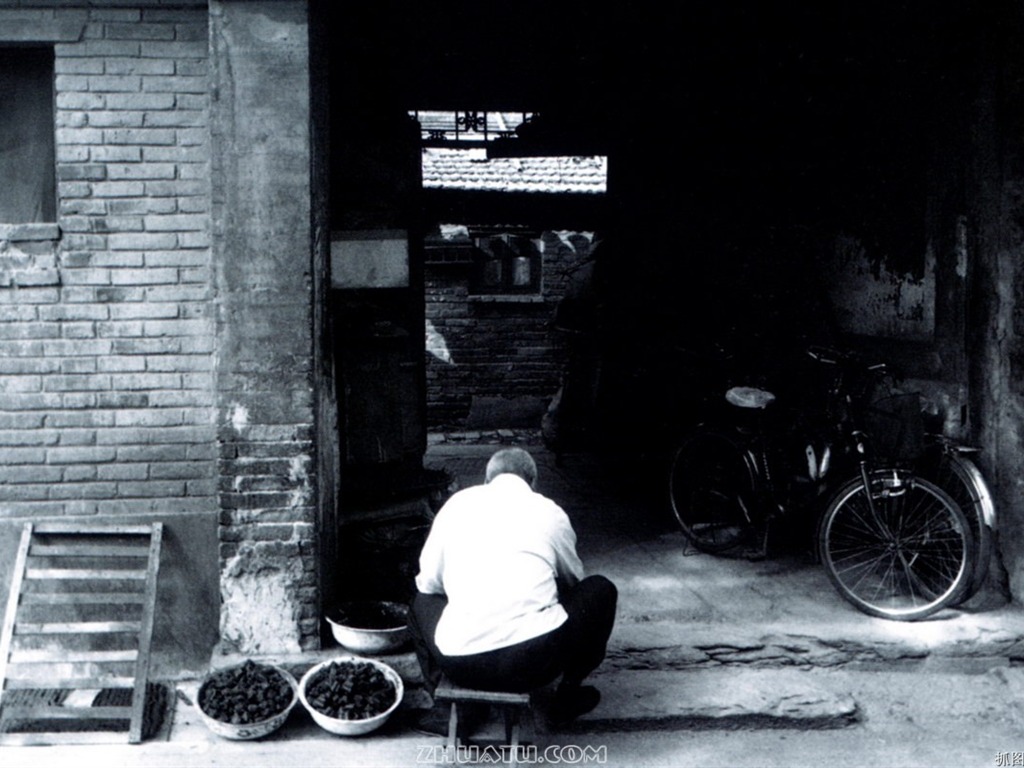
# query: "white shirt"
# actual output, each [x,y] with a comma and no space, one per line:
[496,551]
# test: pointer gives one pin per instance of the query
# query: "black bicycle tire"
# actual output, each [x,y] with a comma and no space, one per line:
[682,497]
[958,525]
[962,480]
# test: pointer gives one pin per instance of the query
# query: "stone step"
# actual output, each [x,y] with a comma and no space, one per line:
[971,641]
[720,698]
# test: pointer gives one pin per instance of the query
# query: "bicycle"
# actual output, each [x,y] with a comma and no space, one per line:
[893,543]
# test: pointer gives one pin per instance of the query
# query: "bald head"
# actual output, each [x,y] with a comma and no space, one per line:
[513,461]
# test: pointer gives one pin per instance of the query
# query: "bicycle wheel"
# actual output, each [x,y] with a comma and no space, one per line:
[712,486]
[911,557]
[960,477]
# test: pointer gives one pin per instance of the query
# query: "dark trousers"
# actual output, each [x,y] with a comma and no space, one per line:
[573,650]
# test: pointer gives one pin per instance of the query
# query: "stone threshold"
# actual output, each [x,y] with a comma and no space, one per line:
[650,699]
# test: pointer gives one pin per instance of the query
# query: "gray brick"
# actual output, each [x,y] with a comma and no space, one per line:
[176,188]
[73,83]
[119,330]
[179,293]
[73,312]
[125,171]
[191,137]
[135,364]
[119,241]
[176,154]
[197,49]
[82,206]
[178,258]
[135,66]
[157,346]
[21,456]
[73,153]
[175,84]
[120,259]
[139,31]
[96,48]
[80,455]
[155,328]
[115,14]
[176,223]
[126,154]
[66,66]
[80,100]
[144,205]
[150,417]
[150,453]
[140,101]
[23,367]
[118,189]
[163,488]
[67,347]
[155,276]
[179,14]
[115,119]
[179,118]
[10,331]
[122,471]
[79,136]
[90,276]
[141,136]
[115,83]
[147,310]
[146,381]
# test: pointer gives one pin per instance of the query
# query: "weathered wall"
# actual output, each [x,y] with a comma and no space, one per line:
[872,299]
[106,342]
[494,358]
[997,210]
[262,249]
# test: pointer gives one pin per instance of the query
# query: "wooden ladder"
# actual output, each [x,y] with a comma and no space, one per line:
[79,620]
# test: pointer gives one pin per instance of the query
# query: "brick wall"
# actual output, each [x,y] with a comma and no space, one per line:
[499,347]
[105,318]
[156,340]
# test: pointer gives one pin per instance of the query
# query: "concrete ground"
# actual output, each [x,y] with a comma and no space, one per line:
[713,662]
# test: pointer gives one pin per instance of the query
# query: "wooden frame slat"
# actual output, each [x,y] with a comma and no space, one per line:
[56,667]
[93,530]
[54,683]
[82,598]
[59,737]
[12,603]
[36,655]
[86,550]
[68,713]
[85,573]
[145,636]
[78,627]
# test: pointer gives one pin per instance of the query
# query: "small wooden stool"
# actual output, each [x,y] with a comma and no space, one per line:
[512,705]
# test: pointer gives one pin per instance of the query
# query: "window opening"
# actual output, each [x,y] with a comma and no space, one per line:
[505,263]
[27,155]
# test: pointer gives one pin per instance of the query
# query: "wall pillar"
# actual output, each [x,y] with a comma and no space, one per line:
[260,172]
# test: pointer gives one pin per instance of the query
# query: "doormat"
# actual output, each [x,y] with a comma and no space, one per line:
[48,702]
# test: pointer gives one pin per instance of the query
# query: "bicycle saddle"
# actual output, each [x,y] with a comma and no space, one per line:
[749,397]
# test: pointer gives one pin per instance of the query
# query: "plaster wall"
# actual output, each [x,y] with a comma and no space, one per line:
[262,248]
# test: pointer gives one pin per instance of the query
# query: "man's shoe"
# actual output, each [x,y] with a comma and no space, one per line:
[573,702]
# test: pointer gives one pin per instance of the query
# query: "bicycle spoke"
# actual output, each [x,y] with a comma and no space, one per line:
[905,559]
